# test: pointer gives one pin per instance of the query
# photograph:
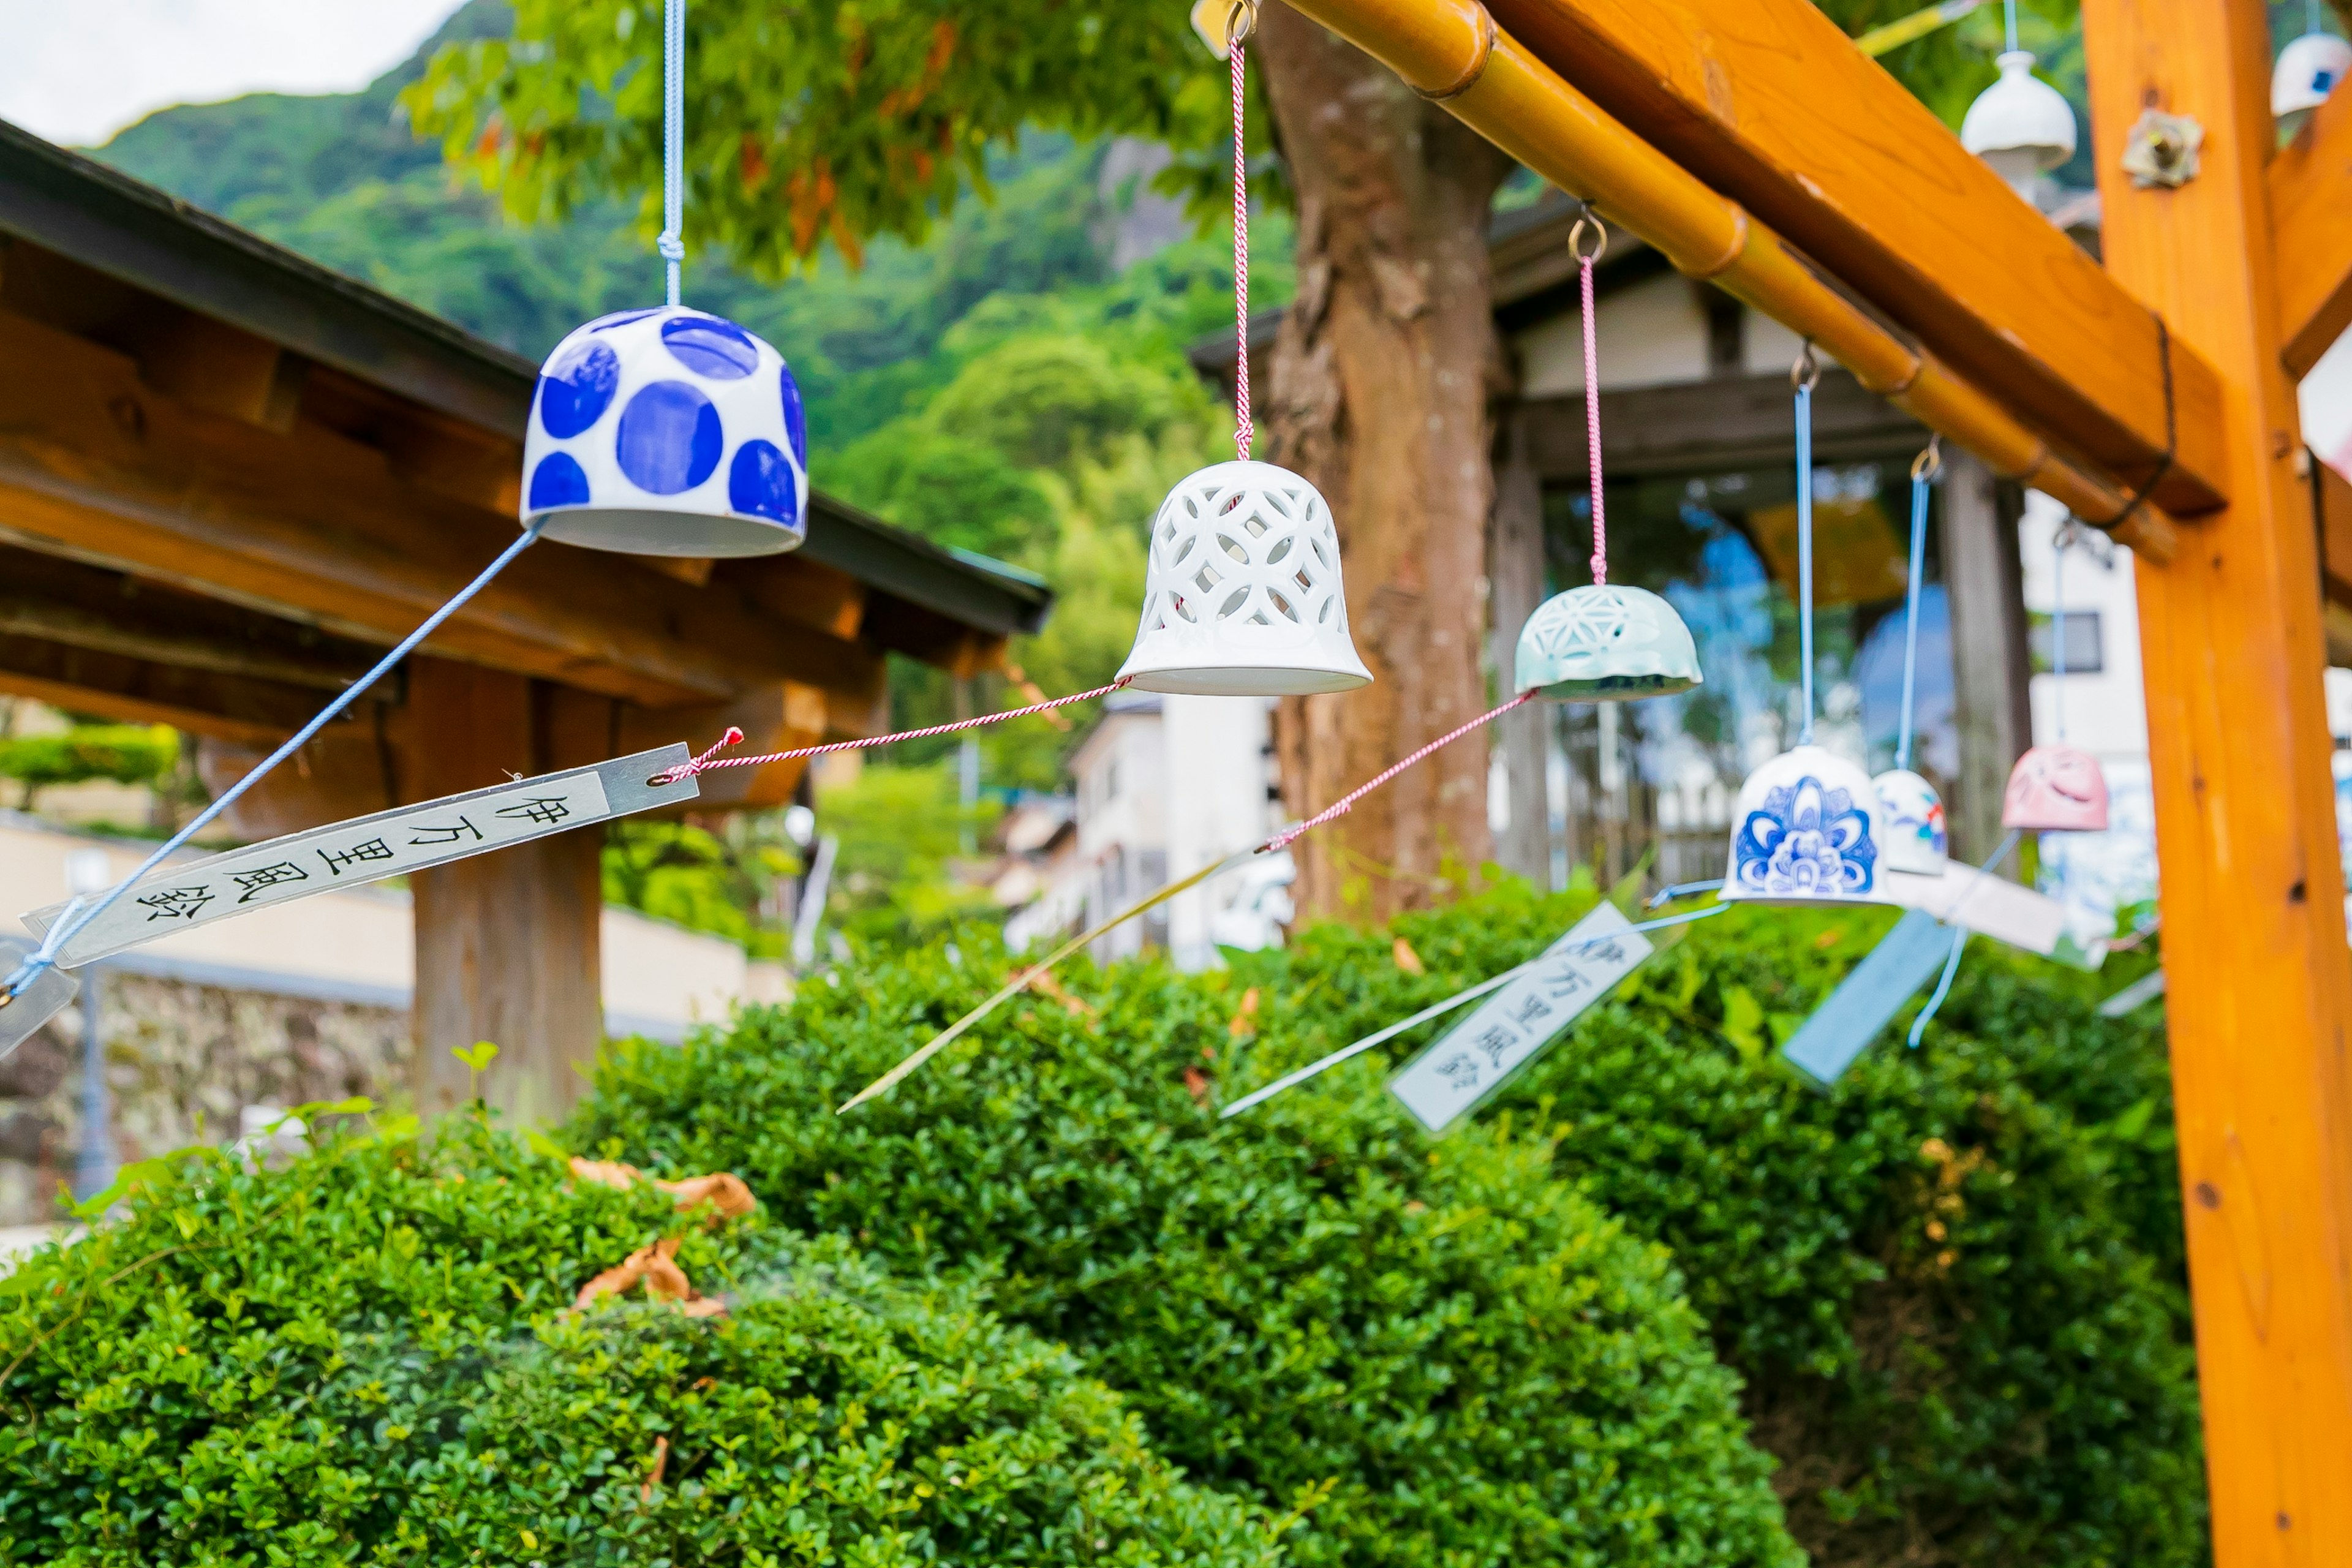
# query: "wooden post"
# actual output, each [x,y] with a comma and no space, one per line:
[2261,986]
[507,943]
[1983,583]
[1514,576]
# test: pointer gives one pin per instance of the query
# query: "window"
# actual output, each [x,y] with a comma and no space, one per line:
[2086,643]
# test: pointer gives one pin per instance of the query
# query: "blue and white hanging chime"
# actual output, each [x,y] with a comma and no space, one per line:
[1808,827]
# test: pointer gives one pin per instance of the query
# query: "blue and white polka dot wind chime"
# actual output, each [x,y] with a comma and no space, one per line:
[660,432]
[1808,827]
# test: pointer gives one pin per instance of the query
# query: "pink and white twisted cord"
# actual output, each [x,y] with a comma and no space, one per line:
[704,763]
[1592,426]
[1347,802]
[1241,260]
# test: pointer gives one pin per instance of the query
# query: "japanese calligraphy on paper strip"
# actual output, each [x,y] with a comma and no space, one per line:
[1472,1059]
[369,848]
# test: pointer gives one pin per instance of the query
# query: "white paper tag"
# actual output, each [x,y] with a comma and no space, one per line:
[51,993]
[1510,1028]
[368,850]
[1984,903]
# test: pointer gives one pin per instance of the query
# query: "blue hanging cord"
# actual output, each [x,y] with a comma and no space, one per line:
[2009,8]
[77,916]
[672,244]
[1959,939]
[1803,377]
[1924,469]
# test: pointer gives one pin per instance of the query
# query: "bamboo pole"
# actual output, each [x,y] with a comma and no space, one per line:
[1452,51]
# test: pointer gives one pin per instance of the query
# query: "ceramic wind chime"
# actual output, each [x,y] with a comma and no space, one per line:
[2057,788]
[1242,595]
[1602,642]
[1808,827]
[667,431]
[1917,843]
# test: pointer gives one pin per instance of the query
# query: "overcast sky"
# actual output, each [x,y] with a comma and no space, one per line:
[76,71]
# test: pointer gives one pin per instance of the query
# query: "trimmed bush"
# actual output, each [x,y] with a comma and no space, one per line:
[364,1358]
[1937,1282]
[1438,1355]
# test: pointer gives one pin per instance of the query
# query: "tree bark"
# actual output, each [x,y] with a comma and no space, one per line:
[1385,377]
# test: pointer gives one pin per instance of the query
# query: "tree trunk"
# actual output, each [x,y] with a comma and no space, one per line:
[1383,379]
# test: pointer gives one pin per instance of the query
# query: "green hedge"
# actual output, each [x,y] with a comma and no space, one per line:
[2019,1388]
[1440,1355]
[363,1359]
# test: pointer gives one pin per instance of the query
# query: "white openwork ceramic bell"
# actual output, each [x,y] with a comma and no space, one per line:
[1808,830]
[2056,789]
[1606,643]
[1913,820]
[1241,594]
[667,432]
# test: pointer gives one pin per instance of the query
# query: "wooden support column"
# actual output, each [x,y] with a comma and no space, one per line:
[1514,576]
[507,943]
[1984,584]
[2260,986]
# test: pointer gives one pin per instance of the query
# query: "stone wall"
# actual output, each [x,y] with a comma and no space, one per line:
[182,1062]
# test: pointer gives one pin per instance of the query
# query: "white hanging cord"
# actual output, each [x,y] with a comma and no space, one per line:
[2058,630]
[1241,22]
[672,243]
[1924,468]
[1806,373]
[74,918]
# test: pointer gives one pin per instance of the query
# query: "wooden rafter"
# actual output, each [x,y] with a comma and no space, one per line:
[2311,228]
[1767,102]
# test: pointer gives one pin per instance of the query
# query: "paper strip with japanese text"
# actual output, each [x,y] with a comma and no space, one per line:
[369,848]
[1471,1060]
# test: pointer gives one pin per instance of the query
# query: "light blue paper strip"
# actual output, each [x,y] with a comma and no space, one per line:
[1868,999]
[2133,997]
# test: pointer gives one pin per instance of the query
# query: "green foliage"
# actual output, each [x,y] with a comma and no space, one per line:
[899,828]
[704,880]
[367,1358]
[838,119]
[1949,1286]
[124,753]
[1453,1358]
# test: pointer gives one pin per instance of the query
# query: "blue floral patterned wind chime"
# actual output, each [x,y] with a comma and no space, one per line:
[1808,827]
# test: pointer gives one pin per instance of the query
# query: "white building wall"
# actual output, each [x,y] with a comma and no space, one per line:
[1652,333]
[1218,775]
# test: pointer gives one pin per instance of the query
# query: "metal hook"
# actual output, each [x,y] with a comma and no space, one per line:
[1930,461]
[1576,237]
[1807,370]
[1240,23]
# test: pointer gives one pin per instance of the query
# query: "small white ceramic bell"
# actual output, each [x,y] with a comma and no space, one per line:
[1241,594]
[1913,821]
[2056,789]
[2308,69]
[2020,124]
[1606,643]
[667,432]
[1808,829]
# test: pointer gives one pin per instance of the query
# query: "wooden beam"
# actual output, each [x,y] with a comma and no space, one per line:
[320,528]
[1767,102]
[141,691]
[2311,234]
[2260,993]
[2332,506]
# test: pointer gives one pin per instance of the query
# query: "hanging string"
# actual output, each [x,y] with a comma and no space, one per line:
[1459,999]
[2009,9]
[76,918]
[1959,939]
[1805,375]
[1240,23]
[704,763]
[2058,632]
[1584,265]
[1924,468]
[672,243]
[1347,802]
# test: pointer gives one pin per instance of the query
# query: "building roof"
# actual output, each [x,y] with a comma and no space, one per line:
[102,219]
